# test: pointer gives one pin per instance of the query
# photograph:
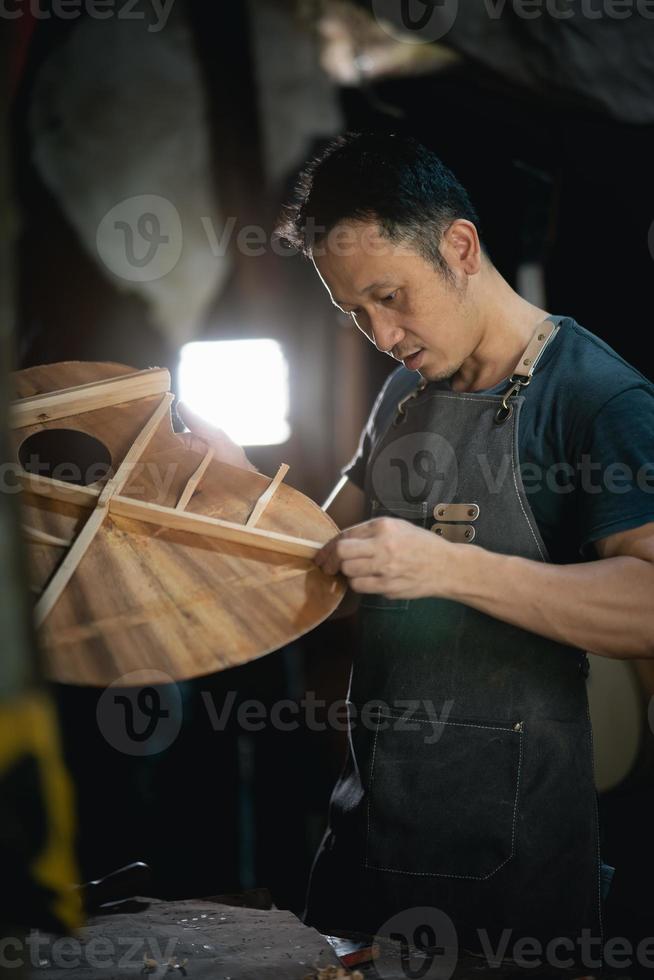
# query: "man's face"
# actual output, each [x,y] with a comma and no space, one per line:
[402,303]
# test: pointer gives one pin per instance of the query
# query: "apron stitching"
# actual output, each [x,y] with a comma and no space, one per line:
[517,490]
[599,856]
[430,721]
[462,398]
[437,874]
[372,776]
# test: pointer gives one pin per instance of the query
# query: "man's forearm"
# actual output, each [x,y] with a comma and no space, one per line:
[606,607]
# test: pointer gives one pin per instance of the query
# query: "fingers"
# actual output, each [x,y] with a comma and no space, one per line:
[355,568]
[199,426]
[355,559]
[193,442]
[367,529]
[225,449]
[368,584]
[330,558]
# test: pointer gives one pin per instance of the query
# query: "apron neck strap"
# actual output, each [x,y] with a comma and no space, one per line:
[525,367]
[534,349]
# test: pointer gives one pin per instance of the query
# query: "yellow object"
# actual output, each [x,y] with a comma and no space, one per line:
[28,728]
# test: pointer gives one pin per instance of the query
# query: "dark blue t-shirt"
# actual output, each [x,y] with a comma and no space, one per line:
[585,441]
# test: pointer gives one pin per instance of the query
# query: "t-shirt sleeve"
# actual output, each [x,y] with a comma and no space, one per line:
[381,414]
[355,470]
[616,468]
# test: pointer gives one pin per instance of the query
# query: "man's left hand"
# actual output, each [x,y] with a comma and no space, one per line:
[391,557]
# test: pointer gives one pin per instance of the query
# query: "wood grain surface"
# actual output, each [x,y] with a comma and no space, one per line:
[146,599]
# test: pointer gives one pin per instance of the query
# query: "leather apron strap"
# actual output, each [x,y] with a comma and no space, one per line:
[519,379]
[525,367]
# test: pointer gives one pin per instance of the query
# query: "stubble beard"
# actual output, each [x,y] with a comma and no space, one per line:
[446,374]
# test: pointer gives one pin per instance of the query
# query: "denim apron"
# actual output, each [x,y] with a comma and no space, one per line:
[468,784]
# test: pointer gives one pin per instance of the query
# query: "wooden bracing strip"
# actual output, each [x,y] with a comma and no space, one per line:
[214,527]
[68,493]
[64,572]
[178,520]
[87,398]
[42,537]
[192,484]
[266,496]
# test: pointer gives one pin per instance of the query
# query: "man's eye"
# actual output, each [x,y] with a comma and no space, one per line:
[389,298]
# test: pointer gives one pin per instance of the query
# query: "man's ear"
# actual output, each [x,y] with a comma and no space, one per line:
[461,248]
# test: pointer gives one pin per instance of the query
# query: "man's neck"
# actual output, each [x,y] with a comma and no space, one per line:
[505,325]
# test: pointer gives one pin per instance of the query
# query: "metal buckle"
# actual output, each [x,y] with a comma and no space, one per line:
[529,359]
[505,411]
[401,410]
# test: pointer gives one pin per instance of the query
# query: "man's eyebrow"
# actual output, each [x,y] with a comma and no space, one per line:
[366,289]
[376,285]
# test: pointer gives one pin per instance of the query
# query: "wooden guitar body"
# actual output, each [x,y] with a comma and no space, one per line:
[153,567]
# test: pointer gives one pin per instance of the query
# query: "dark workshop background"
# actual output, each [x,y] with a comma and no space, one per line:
[216,110]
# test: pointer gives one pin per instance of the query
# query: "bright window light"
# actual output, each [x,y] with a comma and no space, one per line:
[239,385]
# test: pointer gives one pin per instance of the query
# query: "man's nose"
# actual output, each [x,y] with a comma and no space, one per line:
[385,334]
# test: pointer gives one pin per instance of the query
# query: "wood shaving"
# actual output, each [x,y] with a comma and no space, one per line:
[333,973]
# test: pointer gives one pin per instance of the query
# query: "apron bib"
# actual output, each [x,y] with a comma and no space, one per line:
[468,784]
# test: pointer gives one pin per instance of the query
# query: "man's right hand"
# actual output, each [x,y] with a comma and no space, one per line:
[225,449]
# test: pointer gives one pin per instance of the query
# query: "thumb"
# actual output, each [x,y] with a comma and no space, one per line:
[200,427]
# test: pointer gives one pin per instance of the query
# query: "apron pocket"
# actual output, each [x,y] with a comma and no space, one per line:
[443,796]
[414,513]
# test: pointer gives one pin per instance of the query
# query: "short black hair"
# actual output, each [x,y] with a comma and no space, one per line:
[387,178]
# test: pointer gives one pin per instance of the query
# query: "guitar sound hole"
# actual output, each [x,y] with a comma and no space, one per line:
[67,455]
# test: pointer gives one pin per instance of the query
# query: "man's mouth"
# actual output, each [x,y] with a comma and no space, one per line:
[412,361]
